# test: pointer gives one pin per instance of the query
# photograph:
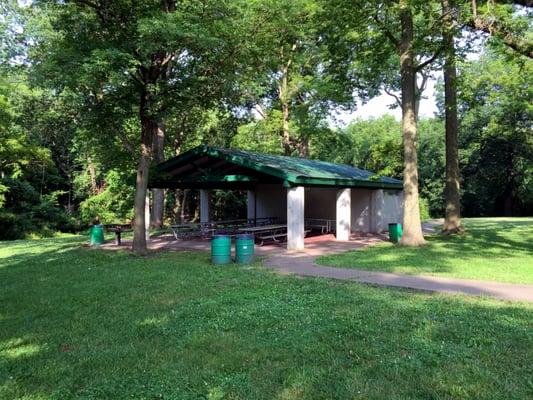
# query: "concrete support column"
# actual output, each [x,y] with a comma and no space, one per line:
[377,216]
[147,214]
[344,214]
[295,218]
[250,205]
[205,205]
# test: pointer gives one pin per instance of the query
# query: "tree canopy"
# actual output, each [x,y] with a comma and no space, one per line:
[93,93]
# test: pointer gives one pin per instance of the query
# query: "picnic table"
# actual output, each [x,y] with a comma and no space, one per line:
[263,233]
[322,224]
[227,227]
[184,231]
[118,229]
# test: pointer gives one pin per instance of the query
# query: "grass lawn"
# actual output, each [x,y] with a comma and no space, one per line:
[495,249]
[77,323]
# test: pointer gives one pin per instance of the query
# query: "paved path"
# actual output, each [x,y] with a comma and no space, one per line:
[304,264]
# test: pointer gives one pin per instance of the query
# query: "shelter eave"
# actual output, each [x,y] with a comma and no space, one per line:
[344,183]
[209,182]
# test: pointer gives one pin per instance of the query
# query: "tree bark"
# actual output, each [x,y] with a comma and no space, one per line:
[493,27]
[92,175]
[412,228]
[148,126]
[452,220]
[303,147]
[284,100]
[158,195]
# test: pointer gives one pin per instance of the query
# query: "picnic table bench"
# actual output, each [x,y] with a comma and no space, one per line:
[184,231]
[322,224]
[265,233]
[226,227]
[118,229]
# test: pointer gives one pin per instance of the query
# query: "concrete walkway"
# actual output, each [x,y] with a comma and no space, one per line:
[303,264]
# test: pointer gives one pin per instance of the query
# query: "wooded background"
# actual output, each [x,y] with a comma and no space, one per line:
[93,92]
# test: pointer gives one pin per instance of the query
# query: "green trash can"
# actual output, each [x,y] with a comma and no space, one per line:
[395,232]
[244,248]
[97,235]
[221,249]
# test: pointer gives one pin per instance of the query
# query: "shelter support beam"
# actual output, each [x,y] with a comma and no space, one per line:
[295,218]
[344,214]
[205,205]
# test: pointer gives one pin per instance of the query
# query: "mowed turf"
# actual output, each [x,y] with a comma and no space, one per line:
[77,323]
[495,249]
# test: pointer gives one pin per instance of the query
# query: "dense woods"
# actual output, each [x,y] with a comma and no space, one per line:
[94,92]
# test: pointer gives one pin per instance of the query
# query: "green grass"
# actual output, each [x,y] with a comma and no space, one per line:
[77,323]
[495,249]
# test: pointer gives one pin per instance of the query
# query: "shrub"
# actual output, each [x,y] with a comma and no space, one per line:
[113,204]
[14,226]
[424,208]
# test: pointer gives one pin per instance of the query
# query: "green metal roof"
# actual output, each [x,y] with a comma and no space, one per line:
[292,171]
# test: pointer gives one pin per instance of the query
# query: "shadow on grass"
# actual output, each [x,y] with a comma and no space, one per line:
[490,247]
[96,324]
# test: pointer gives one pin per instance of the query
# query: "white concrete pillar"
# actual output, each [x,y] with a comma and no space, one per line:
[344,214]
[205,205]
[147,214]
[295,218]
[377,214]
[250,205]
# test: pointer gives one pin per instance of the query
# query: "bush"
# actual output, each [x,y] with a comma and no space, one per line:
[14,226]
[114,204]
[424,209]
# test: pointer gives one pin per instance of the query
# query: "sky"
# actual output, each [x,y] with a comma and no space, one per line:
[379,106]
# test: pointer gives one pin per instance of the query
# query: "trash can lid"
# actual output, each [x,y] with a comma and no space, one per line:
[219,236]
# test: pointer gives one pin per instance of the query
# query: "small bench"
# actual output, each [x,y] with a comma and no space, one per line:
[274,237]
[323,225]
[118,229]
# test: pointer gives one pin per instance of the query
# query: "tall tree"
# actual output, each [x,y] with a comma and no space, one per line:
[158,195]
[141,58]
[291,91]
[367,51]
[452,219]
[499,21]
[411,218]
[496,141]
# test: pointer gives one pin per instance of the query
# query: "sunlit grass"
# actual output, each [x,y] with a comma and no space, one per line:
[78,323]
[496,249]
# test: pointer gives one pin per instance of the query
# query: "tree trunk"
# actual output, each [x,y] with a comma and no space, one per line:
[452,220]
[303,147]
[92,175]
[508,197]
[158,195]
[148,127]
[284,100]
[412,229]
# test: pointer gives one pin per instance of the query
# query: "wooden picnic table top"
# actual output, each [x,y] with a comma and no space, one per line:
[263,228]
[118,227]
